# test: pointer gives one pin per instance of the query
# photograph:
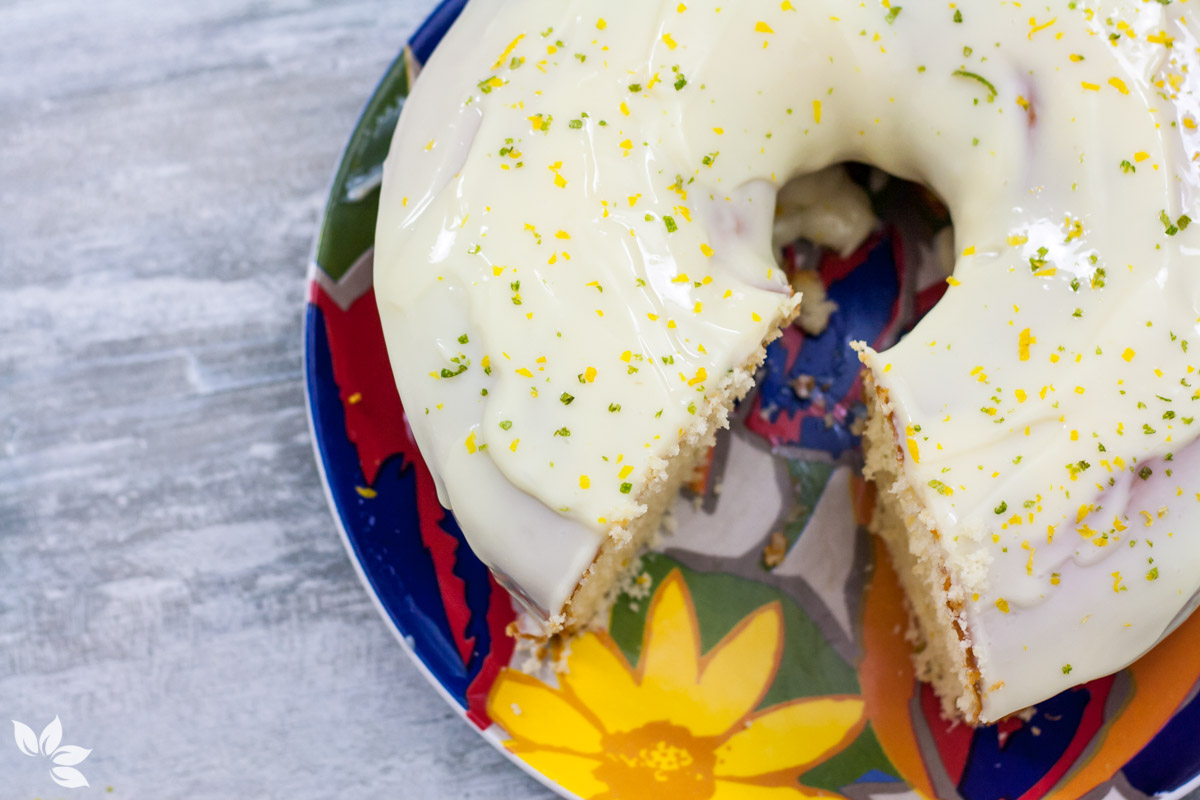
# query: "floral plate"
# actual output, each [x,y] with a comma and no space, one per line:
[760,654]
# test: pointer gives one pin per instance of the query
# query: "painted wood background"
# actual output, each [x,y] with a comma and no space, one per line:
[171,583]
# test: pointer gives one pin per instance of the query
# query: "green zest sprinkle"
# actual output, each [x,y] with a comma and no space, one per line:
[710,158]
[1127,167]
[962,73]
[563,432]
[1000,509]
[626,488]
[446,373]
[614,407]
[1171,228]
[565,399]
[1152,575]
[506,424]
[463,339]
[1066,669]
[670,223]
[1144,473]
[575,124]
[941,488]
[893,12]
[635,87]
[958,15]
[1036,263]
[680,83]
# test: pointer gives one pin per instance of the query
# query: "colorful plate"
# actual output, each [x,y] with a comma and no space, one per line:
[760,653]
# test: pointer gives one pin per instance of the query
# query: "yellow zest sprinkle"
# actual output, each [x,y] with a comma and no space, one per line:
[624,108]
[817,111]
[953,281]
[1015,240]
[625,472]
[1049,534]
[1091,87]
[669,42]
[1021,396]
[367,492]
[754,316]
[1119,85]
[969,251]
[670,323]
[1002,604]
[354,399]
[699,307]
[1023,343]
[708,251]
[514,444]
[589,374]
[585,482]
[1079,390]
[524,372]
[601,24]
[626,145]
[508,51]
[913,450]
[1034,27]
[1116,581]
[762,27]
[626,356]
[701,376]
[1140,156]
[471,443]
[719,131]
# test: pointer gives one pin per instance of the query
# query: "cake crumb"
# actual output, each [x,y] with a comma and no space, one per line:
[775,551]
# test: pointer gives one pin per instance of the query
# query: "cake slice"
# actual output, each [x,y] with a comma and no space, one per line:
[567,328]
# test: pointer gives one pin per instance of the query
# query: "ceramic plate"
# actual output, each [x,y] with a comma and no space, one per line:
[759,653]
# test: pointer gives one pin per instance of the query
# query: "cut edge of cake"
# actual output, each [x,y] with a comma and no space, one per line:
[602,582]
[943,652]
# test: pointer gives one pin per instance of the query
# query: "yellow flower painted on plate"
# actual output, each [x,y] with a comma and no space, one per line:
[680,724]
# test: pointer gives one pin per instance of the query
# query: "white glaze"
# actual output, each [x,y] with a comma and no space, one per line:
[781,89]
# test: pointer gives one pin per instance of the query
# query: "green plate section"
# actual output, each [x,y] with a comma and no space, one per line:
[348,229]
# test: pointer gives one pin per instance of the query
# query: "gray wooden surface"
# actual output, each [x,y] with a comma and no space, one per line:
[171,583]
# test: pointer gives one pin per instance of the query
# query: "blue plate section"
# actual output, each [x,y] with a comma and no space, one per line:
[434,28]
[386,536]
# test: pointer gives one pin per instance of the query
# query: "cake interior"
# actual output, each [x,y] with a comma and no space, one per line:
[603,579]
[942,652]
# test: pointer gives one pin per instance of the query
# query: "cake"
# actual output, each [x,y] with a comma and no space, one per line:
[576,282]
